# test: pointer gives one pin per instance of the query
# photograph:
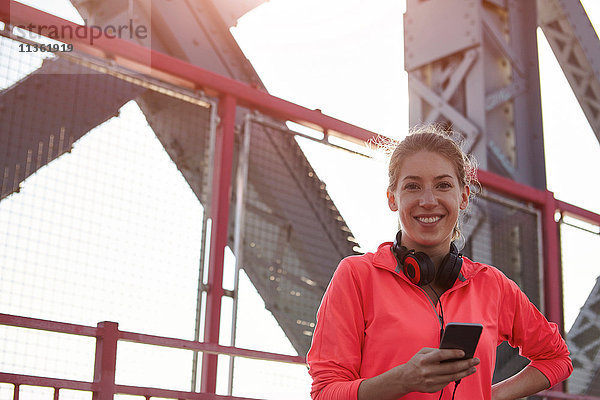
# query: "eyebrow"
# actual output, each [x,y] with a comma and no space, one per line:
[417,178]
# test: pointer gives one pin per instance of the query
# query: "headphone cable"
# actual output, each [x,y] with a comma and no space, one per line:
[453,392]
[441,317]
[441,334]
[455,386]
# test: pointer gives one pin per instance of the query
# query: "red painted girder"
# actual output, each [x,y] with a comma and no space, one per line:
[538,197]
[219,214]
[506,186]
[105,361]
[209,347]
[553,293]
[46,325]
[578,212]
[31,380]
[173,394]
[61,327]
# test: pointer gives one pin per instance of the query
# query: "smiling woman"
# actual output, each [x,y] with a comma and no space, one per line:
[429,185]
[381,320]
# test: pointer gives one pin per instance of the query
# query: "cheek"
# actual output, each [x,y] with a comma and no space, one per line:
[405,216]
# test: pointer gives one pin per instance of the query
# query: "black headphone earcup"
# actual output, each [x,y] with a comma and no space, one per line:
[449,270]
[419,268]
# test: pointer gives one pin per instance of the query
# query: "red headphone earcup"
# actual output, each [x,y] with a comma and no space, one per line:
[412,269]
[423,267]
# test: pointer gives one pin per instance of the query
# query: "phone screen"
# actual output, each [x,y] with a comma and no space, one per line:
[461,336]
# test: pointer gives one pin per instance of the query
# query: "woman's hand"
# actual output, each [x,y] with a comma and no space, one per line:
[425,371]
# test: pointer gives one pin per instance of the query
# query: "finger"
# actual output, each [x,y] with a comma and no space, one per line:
[453,367]
[458,375]
[446,354]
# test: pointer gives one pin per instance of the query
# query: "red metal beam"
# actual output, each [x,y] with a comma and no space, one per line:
[506,186]
[46,325]
[538,197]
[219,208]
[553,283]
[105,361]
[60,327]
[173,394]
[209,348]
[578,212]
[30,380]
[162,66]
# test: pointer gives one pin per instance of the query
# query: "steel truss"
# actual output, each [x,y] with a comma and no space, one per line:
[577,49]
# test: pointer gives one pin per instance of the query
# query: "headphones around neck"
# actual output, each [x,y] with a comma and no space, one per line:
[419,269]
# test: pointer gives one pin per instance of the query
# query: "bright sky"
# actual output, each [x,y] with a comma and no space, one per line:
[346,58]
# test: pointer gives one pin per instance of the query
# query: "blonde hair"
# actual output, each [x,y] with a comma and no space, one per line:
[435,139]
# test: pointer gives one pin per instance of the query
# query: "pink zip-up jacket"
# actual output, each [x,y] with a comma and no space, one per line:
[373,318]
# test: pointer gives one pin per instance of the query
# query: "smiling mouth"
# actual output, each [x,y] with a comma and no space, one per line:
[428,220]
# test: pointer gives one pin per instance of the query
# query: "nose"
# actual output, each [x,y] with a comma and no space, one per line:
[427,199]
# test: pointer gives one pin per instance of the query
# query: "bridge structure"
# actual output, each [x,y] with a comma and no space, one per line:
[260,197]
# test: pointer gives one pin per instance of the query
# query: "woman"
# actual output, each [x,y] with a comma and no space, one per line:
[378,326]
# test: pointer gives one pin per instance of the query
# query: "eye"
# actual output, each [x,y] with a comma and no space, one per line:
[444,185]
[411,186]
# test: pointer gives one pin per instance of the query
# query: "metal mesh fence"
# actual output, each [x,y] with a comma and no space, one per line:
[581,299]
[104,175]
[291,228]
[95,224]
[505,233]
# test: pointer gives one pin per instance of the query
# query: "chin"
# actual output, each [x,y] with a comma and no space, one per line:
[431,240]
[428,243]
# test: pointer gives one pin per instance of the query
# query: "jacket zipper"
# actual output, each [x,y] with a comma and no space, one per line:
[438,315]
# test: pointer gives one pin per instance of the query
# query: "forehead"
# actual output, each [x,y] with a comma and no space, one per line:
[426,164]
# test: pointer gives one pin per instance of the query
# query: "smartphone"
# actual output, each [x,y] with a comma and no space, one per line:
[461,336]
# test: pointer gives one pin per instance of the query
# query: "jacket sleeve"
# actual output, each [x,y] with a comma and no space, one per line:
[334,358]
[524,326]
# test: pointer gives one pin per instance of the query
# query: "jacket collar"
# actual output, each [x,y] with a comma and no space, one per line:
[384,258]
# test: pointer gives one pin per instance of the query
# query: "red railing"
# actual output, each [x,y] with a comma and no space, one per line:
[233,93]
[107,336]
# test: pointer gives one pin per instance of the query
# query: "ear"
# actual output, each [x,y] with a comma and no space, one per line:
[392,201]
[464,201]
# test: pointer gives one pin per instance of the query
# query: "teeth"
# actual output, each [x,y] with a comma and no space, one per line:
[428,220]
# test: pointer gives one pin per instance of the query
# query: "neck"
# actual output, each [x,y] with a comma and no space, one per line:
[436,252]
[437,259]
